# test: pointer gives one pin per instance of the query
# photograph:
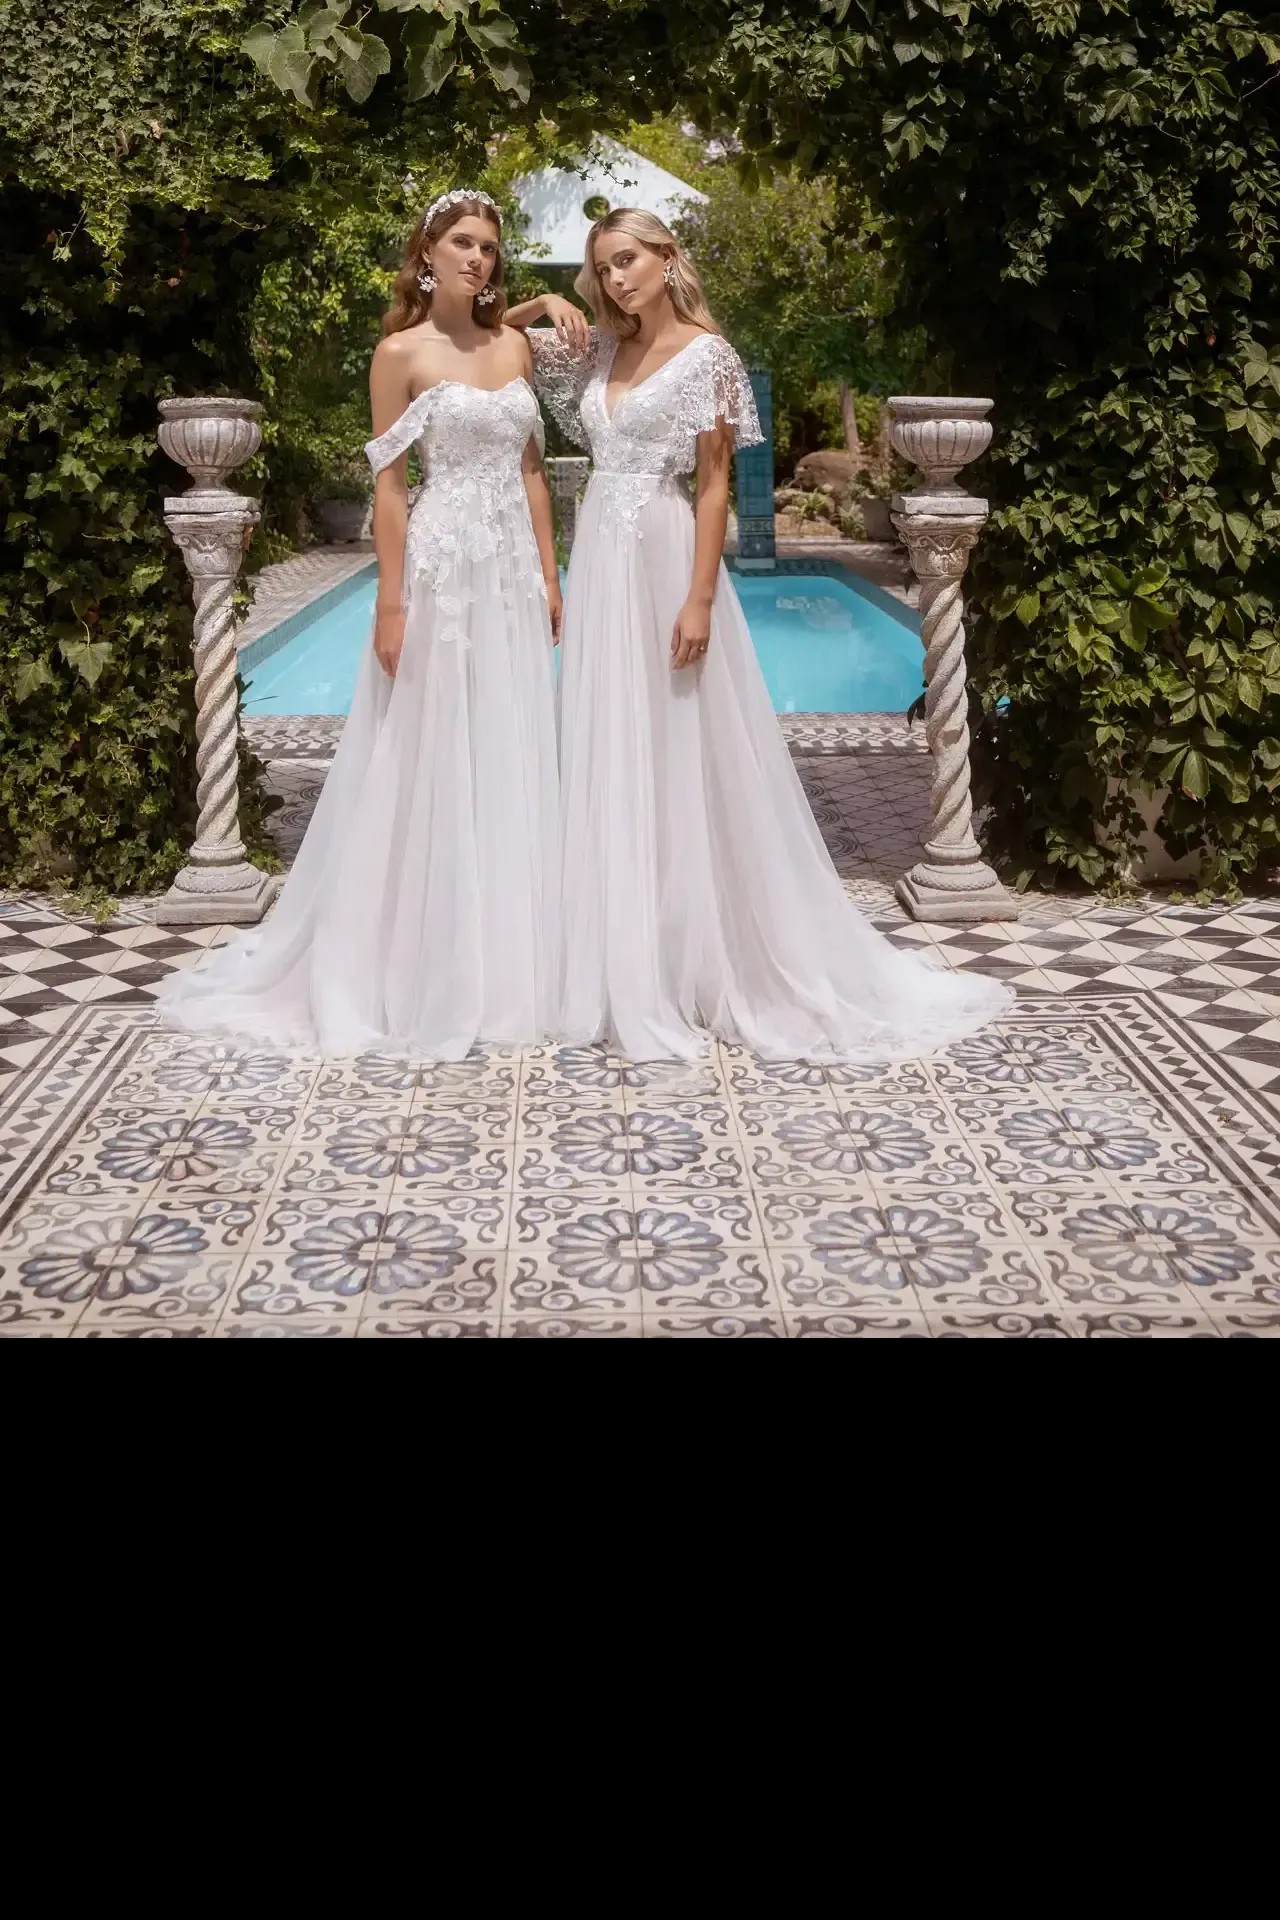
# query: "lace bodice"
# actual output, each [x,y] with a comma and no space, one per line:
[654,427]
[470,443]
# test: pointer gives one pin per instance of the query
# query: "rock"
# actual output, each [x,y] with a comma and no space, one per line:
[828,471]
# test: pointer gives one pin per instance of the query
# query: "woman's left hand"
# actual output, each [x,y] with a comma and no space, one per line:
[555,609]
[692,635]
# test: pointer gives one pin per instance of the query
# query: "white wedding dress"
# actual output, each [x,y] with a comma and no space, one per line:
[422,912]
[697,892]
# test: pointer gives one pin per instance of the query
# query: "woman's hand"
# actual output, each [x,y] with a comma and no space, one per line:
[692,634]
[569,321]
[388,638]
[555,607]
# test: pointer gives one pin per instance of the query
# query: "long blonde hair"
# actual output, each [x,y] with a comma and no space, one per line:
[684,286]
[409,304]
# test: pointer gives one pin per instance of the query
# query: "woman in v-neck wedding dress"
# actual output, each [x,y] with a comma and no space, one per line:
[422,911]
[698,895]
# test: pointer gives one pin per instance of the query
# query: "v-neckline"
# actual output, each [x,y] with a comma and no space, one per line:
[611,416]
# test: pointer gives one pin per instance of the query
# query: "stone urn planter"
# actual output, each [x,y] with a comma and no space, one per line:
[342,521]
[939,435]
[210,438]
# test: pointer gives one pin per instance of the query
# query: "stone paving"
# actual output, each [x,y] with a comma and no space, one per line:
[287,586]
[1102,1163]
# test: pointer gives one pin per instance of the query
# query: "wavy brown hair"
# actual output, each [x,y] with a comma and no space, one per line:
[684,287]
[409,304]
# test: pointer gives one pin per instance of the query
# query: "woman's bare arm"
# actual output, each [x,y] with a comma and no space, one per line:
[570,322]
[389,395]
[539,497]
[692,634]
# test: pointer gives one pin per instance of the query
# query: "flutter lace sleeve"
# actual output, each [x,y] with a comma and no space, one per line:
[399,436]
[714,389]
[560,376]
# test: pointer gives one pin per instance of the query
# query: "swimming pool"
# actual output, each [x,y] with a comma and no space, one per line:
[826,642]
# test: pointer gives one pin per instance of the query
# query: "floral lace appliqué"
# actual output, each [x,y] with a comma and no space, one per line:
[471,506]
[560,376]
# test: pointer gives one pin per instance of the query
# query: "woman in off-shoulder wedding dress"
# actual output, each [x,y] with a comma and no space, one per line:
[422,912]
[698,895]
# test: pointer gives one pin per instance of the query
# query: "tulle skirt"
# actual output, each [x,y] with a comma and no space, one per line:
[698,895]
[422,913]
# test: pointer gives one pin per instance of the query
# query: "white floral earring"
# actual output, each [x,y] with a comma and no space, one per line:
[427,280]
[670,275]
[486,296]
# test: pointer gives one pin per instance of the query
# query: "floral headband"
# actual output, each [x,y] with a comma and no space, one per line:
[453,199]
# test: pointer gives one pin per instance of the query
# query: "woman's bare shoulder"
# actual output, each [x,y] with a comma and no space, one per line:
[396,346]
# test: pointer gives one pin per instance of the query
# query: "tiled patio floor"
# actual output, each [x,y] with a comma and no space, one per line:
[1102,1163]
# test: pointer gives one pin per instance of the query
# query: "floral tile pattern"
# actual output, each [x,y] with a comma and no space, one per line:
[1104,1163]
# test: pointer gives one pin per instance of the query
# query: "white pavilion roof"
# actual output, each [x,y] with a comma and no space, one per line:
[552,198]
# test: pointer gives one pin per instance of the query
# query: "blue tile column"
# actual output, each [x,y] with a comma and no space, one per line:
[756,545]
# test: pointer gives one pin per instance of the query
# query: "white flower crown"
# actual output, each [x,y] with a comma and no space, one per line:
[452,200]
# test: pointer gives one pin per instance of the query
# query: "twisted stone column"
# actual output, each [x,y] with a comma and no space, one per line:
[211,526]
[568,477]
[940,524]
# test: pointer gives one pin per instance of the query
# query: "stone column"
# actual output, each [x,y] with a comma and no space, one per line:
[940,524]
[568,477]
[211,525]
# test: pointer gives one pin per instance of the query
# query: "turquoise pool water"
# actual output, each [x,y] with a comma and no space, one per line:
[826,643]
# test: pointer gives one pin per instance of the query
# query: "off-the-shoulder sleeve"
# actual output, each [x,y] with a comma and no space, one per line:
[400,435]
[714,388]
[560,376]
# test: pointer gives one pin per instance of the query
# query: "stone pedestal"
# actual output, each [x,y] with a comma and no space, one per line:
[568,477]
[940,523]
[212,525]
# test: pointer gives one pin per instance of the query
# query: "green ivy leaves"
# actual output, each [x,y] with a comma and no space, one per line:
[296,57]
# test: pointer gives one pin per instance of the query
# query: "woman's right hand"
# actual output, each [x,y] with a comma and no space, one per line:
[388,638]
[570,322]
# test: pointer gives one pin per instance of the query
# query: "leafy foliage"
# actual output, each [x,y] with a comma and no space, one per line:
[1083,198]
[171,221]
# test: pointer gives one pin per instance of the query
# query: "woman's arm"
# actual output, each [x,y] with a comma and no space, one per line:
[389,395]
[692,634]
[539,497]
[569,321]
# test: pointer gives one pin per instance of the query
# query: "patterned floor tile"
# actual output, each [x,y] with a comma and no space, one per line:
[1099,1250]
[688,1276]
[889,1324]
[25,1312]
[269,1327]
[429,1326]
[422,1270]
[686,1143]
[309,1282]
[150,1330]
[1102,1162]
[1123,1323]
[158,1285]
[587,1326]
[1244,1323]
[715,1326]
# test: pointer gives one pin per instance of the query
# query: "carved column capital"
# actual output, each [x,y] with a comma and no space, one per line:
[939,544]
